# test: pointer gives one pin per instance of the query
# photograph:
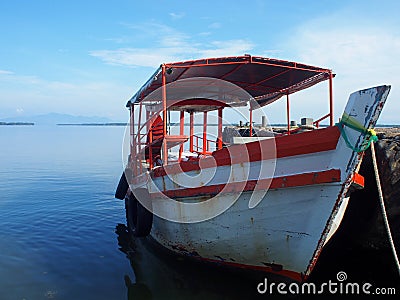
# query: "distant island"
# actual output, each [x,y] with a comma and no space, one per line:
[93,124]
[57,118]
[16,123]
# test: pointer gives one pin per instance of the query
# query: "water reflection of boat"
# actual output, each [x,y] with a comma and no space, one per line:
[267,202]
[160,274]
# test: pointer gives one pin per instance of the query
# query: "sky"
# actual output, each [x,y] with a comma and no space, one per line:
[89,57]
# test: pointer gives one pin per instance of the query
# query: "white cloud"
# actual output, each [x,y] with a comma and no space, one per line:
[362,55]
[137,57]
[215,25]
[176,16]
[205,33]
[153,31]
[153,57]
[352,51]
[5,72]
[169,45]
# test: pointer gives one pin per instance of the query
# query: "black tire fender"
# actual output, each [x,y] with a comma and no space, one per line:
[122,187]
[139,218]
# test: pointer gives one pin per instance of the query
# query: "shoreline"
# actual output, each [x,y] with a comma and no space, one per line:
[16,124]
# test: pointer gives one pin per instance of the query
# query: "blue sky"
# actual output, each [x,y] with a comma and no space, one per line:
[89,57]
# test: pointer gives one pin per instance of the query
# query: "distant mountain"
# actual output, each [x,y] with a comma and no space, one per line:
[56,118]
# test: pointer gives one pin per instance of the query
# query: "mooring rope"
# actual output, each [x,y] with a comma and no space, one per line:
[384,214]
[352,123]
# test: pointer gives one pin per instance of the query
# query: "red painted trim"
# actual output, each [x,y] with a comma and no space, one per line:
[307,142]
[245,59]
[358,180]
[199,102]
[296,276]
[283,146]
[327,176]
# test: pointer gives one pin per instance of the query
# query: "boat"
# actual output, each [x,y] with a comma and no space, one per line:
[253,196]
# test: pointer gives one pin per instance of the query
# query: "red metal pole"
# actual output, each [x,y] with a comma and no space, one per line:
[288,113]
[139,122]
[147,123]
[331,99]
[164,101]
[132,141]
[181,132]
[150,148]
[205,132]
[191,125]
[251,123]
[139,142]
[219,145]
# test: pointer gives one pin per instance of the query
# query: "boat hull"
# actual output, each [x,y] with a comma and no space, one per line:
[278,236]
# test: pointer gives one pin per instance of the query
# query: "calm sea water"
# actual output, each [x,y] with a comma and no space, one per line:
[58,214]
[63,234]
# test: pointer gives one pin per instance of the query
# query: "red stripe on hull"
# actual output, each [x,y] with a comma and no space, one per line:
[299,277]
[282,146]
[328,176]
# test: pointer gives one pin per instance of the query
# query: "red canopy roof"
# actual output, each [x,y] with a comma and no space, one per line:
[265,79]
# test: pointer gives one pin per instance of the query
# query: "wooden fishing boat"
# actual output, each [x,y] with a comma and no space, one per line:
[263,200]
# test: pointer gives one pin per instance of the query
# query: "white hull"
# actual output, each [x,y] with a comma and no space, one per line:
[284,229]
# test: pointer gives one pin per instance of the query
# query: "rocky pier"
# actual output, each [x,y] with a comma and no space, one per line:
[364,210]
[361,246]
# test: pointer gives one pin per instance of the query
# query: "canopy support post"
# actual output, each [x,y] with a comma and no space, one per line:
[205,132]
[219,143]
[181,132]
[191,125]
[133,157]
[330,99]
[288,113]
[251,122]
[139,142]
[164,102]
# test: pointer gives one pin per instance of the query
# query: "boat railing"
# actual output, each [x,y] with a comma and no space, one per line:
[204,146]
[148,114]
[316,123]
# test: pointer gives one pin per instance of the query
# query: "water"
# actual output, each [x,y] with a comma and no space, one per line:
[58,214]
[63,234]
